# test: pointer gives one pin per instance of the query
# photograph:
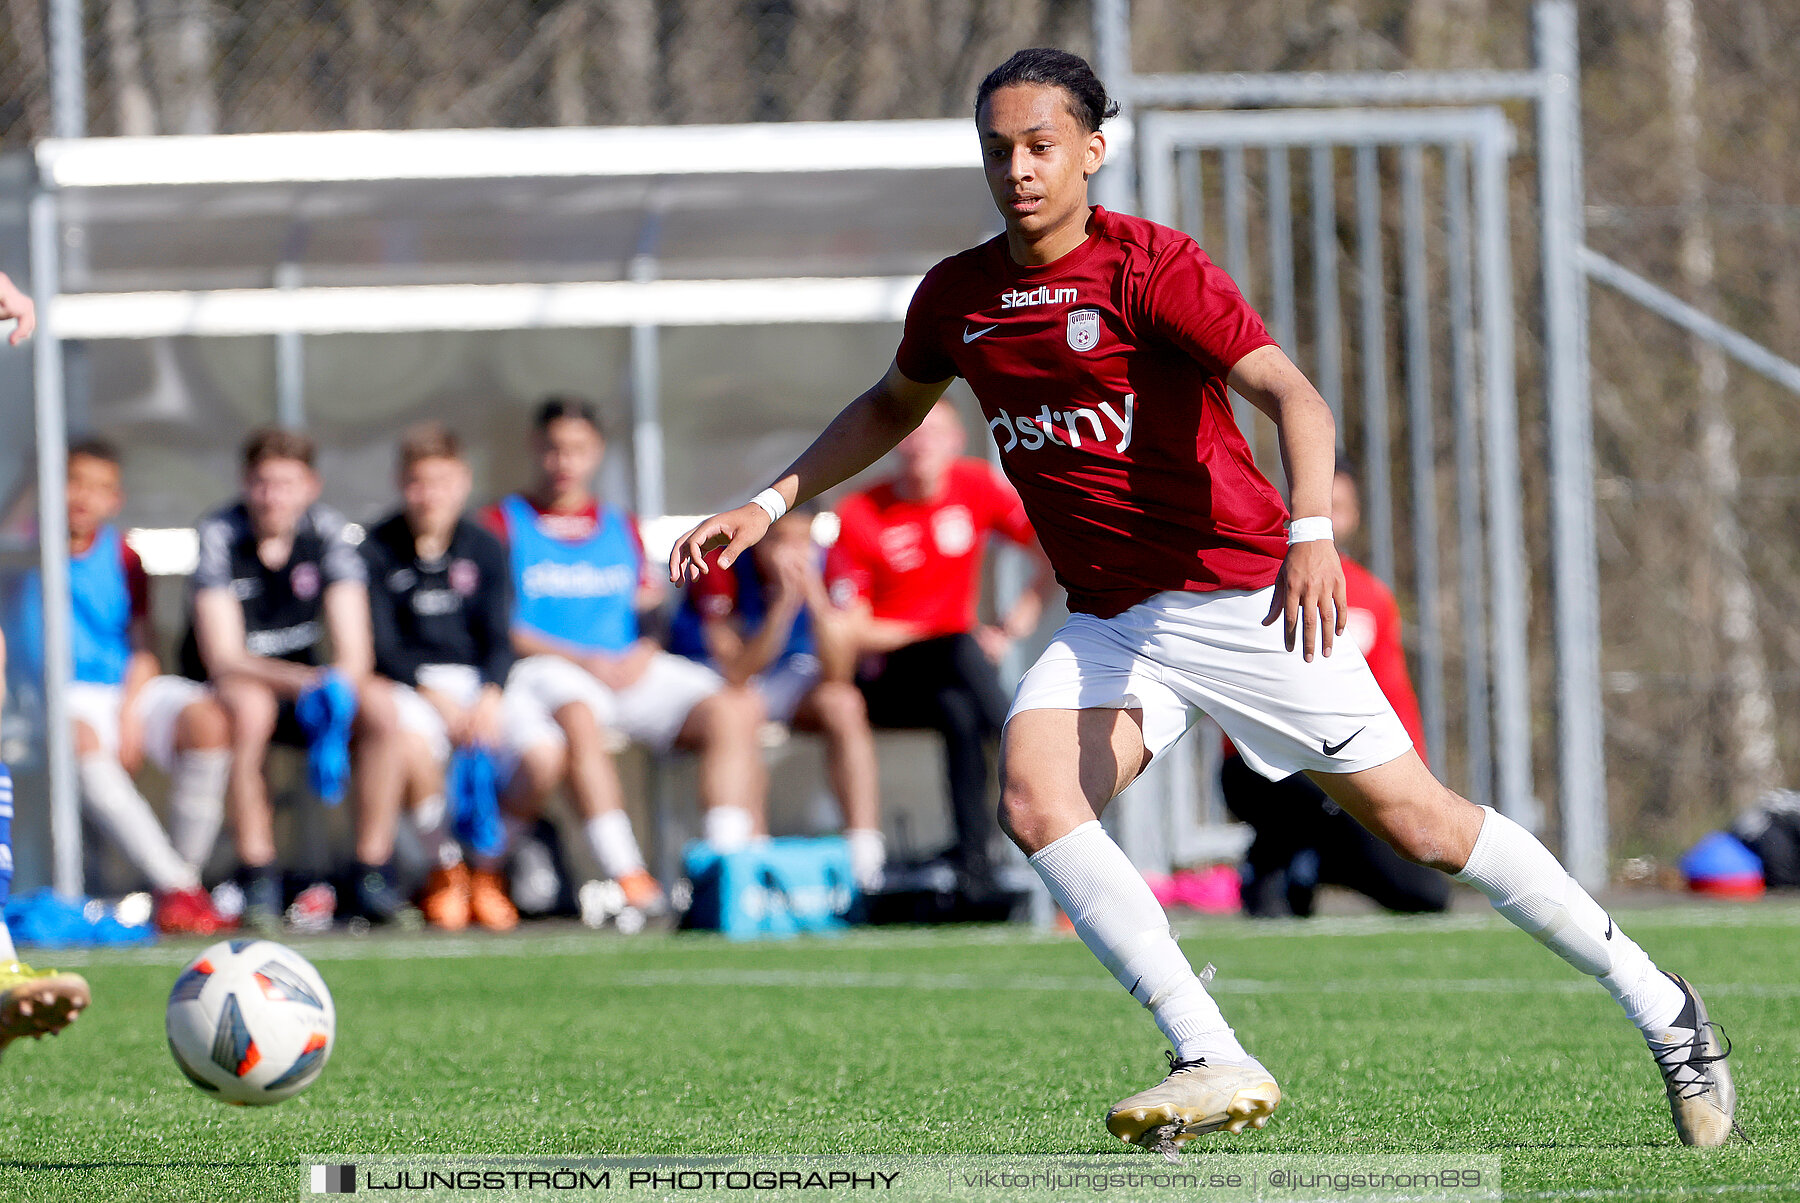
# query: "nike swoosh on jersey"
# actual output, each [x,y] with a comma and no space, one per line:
[969,338]
[1332,749]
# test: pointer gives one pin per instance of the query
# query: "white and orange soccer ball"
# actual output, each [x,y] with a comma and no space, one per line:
[251,1022]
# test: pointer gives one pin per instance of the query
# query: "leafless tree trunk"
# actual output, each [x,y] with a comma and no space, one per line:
[135,112]
[568,67]
[1729,601]
[1446,33]
[365,53]
[33,47]
[181,46]
[630,78]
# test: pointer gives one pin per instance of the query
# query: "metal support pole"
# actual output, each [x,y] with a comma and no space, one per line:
[1328,370]
[290,361]
[1116,184]
[646,409]
[1237,257]
[1507,581]
[1581,740]
[1191,198]
[1281,275]
[53,551]
[1421,444]
[1470,538]
[646,380]
[1281,248]
[68,70]
[1378,479]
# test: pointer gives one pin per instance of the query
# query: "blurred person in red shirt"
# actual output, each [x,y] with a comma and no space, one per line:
[1303,840]
[907,568]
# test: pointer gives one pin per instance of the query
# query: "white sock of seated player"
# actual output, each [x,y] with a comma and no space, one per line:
[434,835]
[1528,885]
[868,853]
[728,828]
[197,802]
[1120,921]
[614,844]
[127,819]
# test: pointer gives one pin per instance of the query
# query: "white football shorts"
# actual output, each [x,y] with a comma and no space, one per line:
[651,712]
[158,706]
[461,683]
[1210,650]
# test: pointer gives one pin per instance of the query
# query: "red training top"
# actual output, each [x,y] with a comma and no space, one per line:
[1374,623]
[920,561]
[1102,376]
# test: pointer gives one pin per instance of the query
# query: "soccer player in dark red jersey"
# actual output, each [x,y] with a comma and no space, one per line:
[1100,347]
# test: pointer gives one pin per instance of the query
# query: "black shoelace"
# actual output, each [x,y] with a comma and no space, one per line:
[1176,1064]
[1689,1054]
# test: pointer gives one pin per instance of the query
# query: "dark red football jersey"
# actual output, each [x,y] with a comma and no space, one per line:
[1102,376]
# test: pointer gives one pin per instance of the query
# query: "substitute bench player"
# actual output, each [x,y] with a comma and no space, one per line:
[1105,390]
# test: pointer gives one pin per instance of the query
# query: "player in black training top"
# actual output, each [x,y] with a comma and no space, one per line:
[440,598]
[278,575]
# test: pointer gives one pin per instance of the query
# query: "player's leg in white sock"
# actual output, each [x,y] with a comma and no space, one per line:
[1120,921]
[728,828]
[430,823]
[1059,769]
[197,802]
[117,807]
[1409,808]
[1528,885]
[613,844]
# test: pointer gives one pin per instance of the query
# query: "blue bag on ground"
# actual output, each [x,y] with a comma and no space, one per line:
[473,791]
[780,887]
[45,919]
[326,712]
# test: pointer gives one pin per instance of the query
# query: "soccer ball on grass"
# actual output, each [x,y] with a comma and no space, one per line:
[250,1022]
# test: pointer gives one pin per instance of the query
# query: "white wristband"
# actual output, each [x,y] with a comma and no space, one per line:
[1306,530]
[772,504]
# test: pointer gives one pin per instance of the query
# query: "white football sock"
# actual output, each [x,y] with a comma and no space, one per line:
[1530,887]
[434,837]
[728,828]
[1120,921]
[122,813]
[197,802]
[613,843]
[868,853]
[8,954]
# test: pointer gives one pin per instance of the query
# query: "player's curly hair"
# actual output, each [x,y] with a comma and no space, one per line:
[1088,101]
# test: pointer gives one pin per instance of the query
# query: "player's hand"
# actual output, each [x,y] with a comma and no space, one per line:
[482,724]
[993,641]
[624,670]
[18,307]
[736,530]
[1309,597]
[791,572]
[131,741]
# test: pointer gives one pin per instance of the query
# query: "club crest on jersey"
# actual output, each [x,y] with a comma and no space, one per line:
[304,581]
[1084,329]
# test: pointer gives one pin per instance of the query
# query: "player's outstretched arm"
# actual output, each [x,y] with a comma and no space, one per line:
[867,429]
[1309,593]
[16,306]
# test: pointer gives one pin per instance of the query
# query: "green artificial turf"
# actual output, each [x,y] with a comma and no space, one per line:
[1454,1035]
